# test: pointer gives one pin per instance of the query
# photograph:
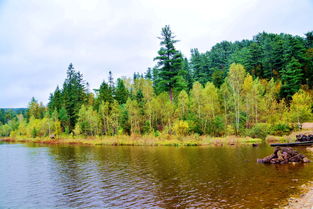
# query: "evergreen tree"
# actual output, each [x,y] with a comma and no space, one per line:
[309,39]
[169,64]
[291,78]
[74,94]
[187,73]
[219,54]
[55,100]
[255,59]
[105,93]
[64,119]
[148,74]
[200,70]
[218,77]
[111,81]
[137,76]
[121,92]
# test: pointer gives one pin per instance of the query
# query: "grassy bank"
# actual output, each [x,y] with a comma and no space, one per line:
[168,140]
[151,140]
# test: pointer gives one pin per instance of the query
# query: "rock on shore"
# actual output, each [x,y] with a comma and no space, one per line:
[304,138]
[284,155]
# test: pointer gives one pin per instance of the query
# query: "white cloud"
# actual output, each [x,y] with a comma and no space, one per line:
[39,39]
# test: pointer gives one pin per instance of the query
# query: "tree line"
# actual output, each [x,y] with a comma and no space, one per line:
[249,87]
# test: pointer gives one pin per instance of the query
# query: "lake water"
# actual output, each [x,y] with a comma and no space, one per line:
[35,176]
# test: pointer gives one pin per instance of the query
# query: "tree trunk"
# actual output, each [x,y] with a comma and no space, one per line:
[171,94]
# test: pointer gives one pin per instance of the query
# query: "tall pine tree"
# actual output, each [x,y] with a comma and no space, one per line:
[121,92]
[291,78]
[169,65]
[74,94]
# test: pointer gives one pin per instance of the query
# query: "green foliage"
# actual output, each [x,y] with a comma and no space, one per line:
[281,129]
[235,80]
[266,56]
[73,94]
[55,100]
[217,127]
[181,128]
[291,78]
[241,87]
[169,75]
[7,114]
[35,109]
[200,67]
[123,120]
[183,105]
[121,92]
[105,93]
[301,107]
[259,130]
[88,122]
[134,116]
[109,115]
[5,130]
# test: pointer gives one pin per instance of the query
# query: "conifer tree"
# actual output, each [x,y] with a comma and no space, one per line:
[148,74]
[291,78]
[74,94]
[169,64]
[64,119]
[55,100]
[105,93]
[121,92]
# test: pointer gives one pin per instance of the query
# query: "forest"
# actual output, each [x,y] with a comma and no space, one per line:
[247,88]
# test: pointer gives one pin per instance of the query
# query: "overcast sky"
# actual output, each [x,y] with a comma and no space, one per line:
[38,39]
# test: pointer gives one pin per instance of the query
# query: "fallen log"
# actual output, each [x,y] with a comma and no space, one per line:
[293,144]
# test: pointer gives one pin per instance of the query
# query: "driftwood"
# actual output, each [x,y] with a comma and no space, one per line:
[284,155]
[293,144]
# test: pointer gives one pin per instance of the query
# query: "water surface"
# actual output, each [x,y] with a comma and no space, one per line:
[35,176]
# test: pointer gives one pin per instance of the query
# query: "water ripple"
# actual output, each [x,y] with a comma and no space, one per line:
[142,177]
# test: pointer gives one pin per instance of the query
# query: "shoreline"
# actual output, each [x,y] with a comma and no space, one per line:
[303,200]
[152,140]
[142,140]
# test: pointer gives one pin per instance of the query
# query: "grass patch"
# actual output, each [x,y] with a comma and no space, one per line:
[145,140]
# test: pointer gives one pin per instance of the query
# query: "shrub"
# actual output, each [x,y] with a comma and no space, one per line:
[230,130]
[5,130]
[157,133]
[216,126]
[181,128]
[259,130]
[281,129]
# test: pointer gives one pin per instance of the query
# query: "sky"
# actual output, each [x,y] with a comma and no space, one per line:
[38,39]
